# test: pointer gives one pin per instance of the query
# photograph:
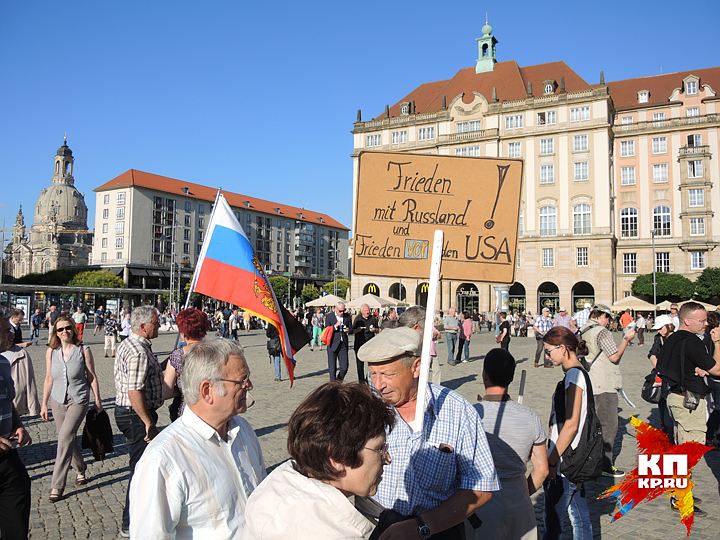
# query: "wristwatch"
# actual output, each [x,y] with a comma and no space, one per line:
[423,528]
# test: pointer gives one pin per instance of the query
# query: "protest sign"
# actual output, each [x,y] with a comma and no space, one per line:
[403,198]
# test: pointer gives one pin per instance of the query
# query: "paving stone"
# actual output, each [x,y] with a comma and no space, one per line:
[95,510]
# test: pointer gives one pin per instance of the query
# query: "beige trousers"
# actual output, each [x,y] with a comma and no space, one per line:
[68,418]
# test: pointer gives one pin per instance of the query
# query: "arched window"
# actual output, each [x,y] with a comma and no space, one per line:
[628,223]
[581,219]
[57,167]
[661,220]
[485,51]
[548,221]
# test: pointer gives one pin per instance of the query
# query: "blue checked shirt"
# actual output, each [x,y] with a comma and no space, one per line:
[543,324]
[421,476]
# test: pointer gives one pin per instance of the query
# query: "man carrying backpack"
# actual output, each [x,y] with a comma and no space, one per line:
[602,362]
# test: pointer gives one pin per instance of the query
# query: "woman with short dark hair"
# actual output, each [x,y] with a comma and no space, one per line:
[336,439]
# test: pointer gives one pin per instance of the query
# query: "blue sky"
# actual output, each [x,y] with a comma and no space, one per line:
[260,98]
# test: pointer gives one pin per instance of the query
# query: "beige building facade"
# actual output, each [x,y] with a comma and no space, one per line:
[146,224]
[570,135]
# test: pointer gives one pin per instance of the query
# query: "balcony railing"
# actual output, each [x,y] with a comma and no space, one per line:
[694,151]
[664,125]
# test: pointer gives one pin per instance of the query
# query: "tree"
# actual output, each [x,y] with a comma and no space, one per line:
[53,277]
[98,278]
[707,286]
[280,285]
[309,293]
[342,287]
[672,287]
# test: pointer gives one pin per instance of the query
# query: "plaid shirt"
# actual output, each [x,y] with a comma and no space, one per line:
[582,317]
[543,324]
[421,476]
[137,368]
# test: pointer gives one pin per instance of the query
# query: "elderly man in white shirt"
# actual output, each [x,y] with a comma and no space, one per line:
[194,479]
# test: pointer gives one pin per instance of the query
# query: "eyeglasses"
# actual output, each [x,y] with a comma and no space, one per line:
[549,351]
[63,329]
[245,383]
[384,451]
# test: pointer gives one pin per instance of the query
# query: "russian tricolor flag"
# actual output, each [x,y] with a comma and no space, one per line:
[228,270]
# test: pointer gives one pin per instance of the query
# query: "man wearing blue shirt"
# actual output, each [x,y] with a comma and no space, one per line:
[437,477]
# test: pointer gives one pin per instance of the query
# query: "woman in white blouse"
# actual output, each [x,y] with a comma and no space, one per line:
[336,439]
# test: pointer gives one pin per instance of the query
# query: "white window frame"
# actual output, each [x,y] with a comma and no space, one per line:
[547,173]
[662,262]
[582,256]
[374,139]
[580,114]
[697,226]
[120,227]
[662,220]
[695,168]
[106,213]
[468,151]
[582,219]
[120,198]
[629,263]
[119,242]
[514,149]
[120,212]
[582,171]
[514,121]
[426,133]
[627,176]
[547,146]
[692,112]
[660,173]
[629,222]
[106,198]
[468,127]
[104,228]
[627,148]
[104,243]
[548,221]
[697,260]
[643,96]
[694,140]
[696,197]
[659,145]
[548,257]
[691,88]
[658,116]
[626,120]
[399,137]
[546,118]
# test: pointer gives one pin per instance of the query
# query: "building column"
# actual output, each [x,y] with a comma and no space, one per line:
[502,303]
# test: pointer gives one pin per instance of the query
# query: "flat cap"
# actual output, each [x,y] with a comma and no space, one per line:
[391,344]
[603,309]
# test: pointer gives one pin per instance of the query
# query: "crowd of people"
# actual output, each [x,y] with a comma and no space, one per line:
[360,466]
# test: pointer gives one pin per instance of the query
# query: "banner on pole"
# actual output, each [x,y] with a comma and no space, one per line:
[403,198]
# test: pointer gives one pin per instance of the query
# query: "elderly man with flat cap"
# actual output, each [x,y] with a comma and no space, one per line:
[437,477]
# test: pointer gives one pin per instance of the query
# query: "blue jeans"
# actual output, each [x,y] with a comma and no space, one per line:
[277,367]
[129,423]
[563,496]
[451,338]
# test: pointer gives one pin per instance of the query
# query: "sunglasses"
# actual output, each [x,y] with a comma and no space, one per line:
[64,329]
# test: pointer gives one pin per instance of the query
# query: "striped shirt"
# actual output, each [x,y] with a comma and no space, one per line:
[450,454]
[190,483]
[137,368]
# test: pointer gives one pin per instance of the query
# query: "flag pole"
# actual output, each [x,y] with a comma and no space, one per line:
[201,255]
[435,264]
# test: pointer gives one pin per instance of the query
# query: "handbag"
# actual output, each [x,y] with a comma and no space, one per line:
[690,399]
[327,335]
[498,338]
[651,388]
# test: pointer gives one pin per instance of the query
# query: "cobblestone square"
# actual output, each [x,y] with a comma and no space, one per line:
[94,510]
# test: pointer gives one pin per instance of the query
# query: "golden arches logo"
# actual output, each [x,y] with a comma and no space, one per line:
[372,288]
[424,287]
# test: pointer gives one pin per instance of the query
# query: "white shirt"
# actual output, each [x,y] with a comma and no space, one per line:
[289,505]
[190,483]
[574,376]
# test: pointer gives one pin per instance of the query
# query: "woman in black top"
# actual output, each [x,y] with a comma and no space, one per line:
[504,332]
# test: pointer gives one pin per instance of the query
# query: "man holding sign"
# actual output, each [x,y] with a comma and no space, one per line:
[441,474]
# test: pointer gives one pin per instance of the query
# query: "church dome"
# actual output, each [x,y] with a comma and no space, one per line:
[64,150]
[487,29]
[63,201]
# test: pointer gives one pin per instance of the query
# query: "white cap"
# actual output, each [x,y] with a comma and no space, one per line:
[661,321]
[587,305]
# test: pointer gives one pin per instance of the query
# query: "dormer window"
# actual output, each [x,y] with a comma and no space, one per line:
[405,109]
[246,204]
[691,87]
[643,96]
[549,87]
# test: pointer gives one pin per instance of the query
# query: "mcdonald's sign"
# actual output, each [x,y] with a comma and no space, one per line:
[424,288]
[371,288]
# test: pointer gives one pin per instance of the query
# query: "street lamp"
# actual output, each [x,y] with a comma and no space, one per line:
[653,232]
[334,251]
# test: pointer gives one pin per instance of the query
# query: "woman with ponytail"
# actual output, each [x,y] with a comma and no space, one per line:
[562,347]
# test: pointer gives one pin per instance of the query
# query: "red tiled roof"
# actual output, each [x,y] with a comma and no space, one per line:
[624,93]
[509,79]
[133,177]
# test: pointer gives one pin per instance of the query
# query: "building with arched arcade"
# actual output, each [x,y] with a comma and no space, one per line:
[618,181]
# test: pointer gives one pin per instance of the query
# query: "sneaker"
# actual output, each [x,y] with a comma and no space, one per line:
[465,361]
[699,512]
[613,472]
[125,532]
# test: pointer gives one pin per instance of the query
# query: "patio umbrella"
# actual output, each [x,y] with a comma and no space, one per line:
[664,305]
[372,301]
[631,302]
[328,300]
[708,307]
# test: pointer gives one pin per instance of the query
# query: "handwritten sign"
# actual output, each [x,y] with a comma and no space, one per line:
[402,198]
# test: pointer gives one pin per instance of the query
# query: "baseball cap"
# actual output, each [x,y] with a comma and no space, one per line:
[587,305]
[661,321]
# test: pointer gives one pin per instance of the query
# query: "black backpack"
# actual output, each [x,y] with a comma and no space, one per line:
[584,462]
